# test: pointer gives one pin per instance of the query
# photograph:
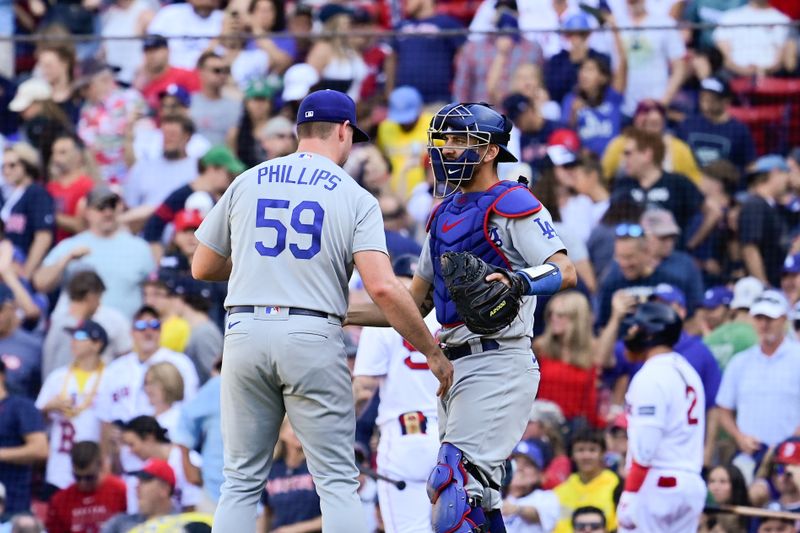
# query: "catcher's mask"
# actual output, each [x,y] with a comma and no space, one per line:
[651,324]
[466,129]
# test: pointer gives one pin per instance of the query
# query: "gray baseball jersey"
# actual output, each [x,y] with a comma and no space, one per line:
[291,227]
[525,242]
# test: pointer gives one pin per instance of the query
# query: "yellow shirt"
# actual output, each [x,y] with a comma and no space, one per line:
[175,333]
[599,492]
[400,145]
[173,523]
[678,158]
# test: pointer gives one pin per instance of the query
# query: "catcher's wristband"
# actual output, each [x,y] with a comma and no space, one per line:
[543,279]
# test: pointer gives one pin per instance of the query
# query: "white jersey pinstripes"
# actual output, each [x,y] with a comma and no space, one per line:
[124,397]
[64,431]
[667,393]
[408,384]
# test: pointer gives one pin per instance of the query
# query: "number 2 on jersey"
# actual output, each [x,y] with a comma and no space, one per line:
[313,229]
[691,394]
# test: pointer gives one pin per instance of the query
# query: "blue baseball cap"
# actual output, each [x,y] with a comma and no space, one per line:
[177,91]
[405,105]
[577,22]
[768,163]
[791,265]
[668,294]
[717,296]
[531,451]
[328,105]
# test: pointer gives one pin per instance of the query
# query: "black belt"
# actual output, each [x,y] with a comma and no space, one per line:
[292,311]
[463,350]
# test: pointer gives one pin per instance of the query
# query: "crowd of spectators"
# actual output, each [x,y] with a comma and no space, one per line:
[122,122]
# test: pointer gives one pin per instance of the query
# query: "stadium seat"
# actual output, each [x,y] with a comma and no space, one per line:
[768,125]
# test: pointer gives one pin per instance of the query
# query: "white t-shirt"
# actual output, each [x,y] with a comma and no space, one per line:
[764,391]
[650,53]
[408,384]
[148,143]
[546,504]
[63,431]
[124,396]
[181,20]
[169,419]
[248,66]
[667,393]
[757,45]
[123,22]
[152,180]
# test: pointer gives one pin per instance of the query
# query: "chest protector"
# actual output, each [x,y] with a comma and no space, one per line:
[461,224]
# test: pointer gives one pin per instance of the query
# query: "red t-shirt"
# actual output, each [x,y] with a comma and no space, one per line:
[72,511]
[66,199]
[188,79]
[572,388]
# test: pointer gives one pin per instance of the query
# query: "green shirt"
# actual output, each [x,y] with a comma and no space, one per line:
[729,339]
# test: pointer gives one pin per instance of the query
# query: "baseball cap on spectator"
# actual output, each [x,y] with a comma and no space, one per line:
[771,303]
[562,147]
[515,104]
[330,106]
[791,265]
[178,92]
[649,104]
[669,294]
[716,296]
[405,265]
[154,41]
[277,126]
[788,452]
[745,292]
[768,163]
[531,451]
[188,286]
[659,223]
[297,81]
[187,219]
[156,469]
[620,422]
[716,85]
[260,89]
[547,412]
[577,22]
[329,11]
[100,194]
[28,92]
[221,156]
[405,105]
[93,331]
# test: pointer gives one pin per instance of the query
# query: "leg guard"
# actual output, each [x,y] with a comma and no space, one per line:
[452,512]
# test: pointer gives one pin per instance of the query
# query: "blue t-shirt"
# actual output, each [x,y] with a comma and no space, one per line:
[561,74]
[696,353]
[290,495]
[596,126]
[21,352]
[709,142]
[18,418]
[32,211]
[426,61]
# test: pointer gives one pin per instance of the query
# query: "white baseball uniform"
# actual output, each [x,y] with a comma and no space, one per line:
[666,427]
[408,422]
[84,424]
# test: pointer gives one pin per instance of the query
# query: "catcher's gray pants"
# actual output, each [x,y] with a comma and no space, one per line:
[487,409]
[276,363]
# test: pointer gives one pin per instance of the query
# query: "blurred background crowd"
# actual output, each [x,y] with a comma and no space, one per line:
[662,135]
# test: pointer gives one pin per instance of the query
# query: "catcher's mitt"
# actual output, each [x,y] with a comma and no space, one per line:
[485,306]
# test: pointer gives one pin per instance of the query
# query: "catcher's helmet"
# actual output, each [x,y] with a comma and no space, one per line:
[651,324]
[480,125]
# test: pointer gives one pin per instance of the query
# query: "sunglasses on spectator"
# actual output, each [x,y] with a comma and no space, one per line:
[141,325]
[81,336]
[629,230]
[107,204]
[587,526]
[220,70]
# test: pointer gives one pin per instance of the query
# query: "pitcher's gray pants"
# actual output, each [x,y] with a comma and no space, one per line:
[276,363]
